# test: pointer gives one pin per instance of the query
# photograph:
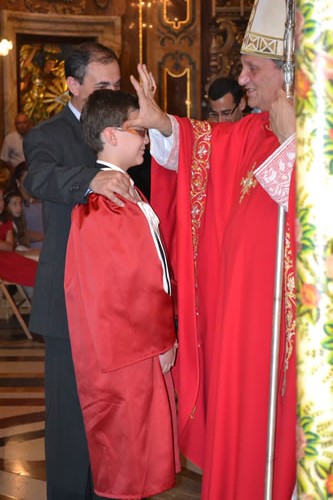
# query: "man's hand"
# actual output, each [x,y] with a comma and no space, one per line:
[109,183]
[167,359]
[150,115]
[282,117]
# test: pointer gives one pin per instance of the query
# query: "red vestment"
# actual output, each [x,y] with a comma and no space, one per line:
[221,235]
[120,320]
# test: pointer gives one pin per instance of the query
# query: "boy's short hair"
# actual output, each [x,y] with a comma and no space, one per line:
[105,108]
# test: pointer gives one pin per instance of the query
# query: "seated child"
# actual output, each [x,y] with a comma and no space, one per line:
[120,316]
[13,267]
[23,236]
[14,212]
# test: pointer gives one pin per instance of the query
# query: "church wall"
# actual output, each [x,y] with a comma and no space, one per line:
[185,43]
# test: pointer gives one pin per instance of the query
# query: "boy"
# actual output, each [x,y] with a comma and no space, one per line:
[120,316]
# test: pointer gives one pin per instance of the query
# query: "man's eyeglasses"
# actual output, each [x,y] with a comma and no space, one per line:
[142,132]
[215,115]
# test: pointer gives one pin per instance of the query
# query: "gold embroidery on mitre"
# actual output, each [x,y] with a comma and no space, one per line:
[258,44]
[247,183]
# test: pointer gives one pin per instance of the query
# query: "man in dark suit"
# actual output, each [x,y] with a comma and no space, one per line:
[61,171]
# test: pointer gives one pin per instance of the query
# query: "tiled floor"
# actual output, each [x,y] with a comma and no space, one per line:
[22,471]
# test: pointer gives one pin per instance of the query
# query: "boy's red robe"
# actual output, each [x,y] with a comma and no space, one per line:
[120,320]
[220,229]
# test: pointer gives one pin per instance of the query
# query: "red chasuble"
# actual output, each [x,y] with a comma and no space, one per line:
[120,320]
[220,226]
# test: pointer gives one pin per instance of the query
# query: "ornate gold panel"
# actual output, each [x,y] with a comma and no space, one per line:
[177,13]
[226,36]
[177,84]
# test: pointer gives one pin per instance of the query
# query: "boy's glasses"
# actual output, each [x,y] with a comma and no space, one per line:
[142,132]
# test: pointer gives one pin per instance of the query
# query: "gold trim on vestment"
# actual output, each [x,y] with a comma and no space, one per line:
[202,132]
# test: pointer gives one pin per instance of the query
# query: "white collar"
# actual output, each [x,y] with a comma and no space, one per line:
[111,166]
[149,213]
[75,111]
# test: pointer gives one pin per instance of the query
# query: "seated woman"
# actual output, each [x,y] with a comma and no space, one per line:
[13,267]
[23,236]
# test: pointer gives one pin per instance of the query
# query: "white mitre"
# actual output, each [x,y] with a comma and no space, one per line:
[265,30]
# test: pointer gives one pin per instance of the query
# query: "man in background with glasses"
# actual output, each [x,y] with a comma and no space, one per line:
[226,100]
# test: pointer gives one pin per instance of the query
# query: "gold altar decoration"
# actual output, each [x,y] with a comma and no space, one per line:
[43,88]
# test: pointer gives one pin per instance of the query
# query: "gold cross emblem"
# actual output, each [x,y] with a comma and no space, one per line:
[248,183]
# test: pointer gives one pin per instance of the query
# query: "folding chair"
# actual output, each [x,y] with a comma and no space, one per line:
[15,306]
